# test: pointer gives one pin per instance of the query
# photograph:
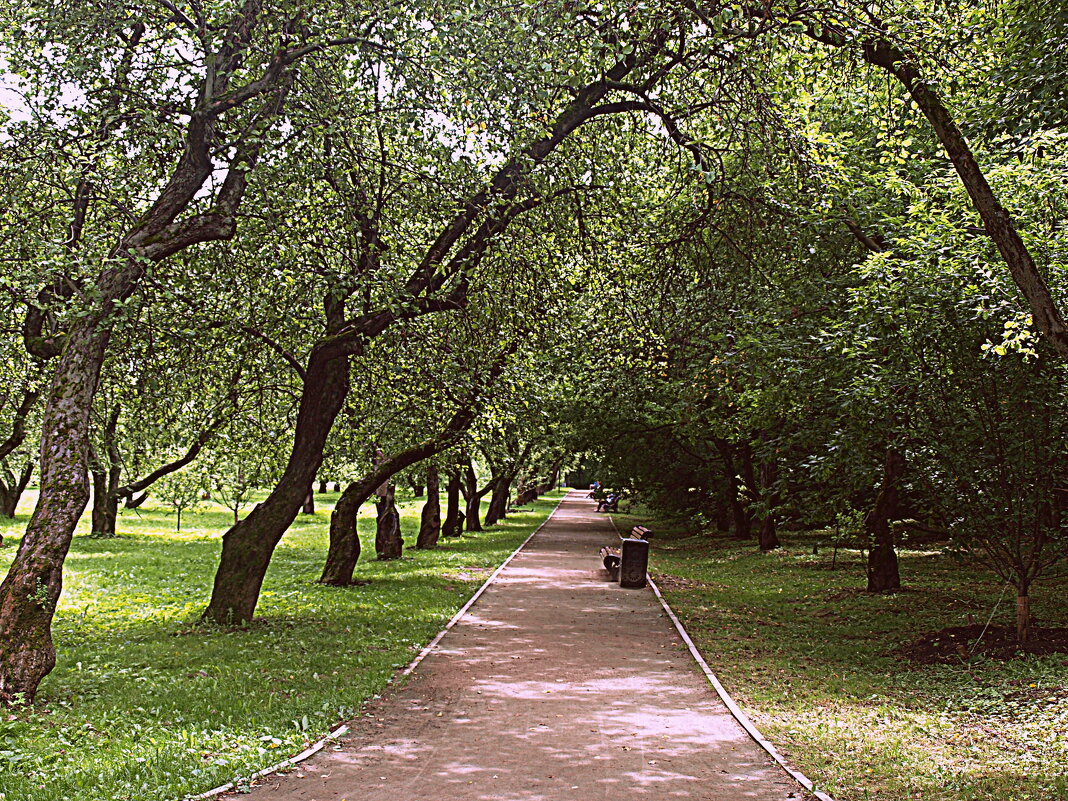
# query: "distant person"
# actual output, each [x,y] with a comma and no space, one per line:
[609,502]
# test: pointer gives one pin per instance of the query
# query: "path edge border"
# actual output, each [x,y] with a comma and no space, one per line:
[340,731]
[730,703]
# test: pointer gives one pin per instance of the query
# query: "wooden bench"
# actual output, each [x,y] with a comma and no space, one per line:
[608,505]
[612,557]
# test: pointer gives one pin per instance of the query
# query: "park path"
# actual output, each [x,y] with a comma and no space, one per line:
[557,685]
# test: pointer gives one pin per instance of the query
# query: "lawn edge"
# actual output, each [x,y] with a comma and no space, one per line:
[341,730]
[725,697]
[733,707]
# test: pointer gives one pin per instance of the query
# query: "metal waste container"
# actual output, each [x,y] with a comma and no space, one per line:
[634,562]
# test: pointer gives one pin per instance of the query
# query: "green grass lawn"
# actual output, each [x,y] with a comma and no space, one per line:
[814,661]
[145,703]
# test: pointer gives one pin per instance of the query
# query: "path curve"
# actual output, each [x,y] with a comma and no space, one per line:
[557,685]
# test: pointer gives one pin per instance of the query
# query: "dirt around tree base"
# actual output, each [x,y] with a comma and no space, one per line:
[959,643]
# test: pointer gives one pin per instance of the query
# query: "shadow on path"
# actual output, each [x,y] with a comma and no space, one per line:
[557,685]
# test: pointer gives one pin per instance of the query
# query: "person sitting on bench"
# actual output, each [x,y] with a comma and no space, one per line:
[609,503]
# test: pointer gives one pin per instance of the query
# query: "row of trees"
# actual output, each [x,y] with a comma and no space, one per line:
[252,223]
[864,338]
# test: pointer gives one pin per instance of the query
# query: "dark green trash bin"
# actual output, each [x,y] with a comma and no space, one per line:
[634,562]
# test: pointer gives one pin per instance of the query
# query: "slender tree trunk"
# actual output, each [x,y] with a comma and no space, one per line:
[388,540]
[883,575]
[1024,621]
[248,546]
[553,478]
[742,519]
[451,526]
[430,520]
[322,486]
[769,474]
[29,592]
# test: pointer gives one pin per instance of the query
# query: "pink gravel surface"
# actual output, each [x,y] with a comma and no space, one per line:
[556,685]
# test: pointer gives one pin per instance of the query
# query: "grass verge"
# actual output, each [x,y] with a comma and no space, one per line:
[146,704]
[816,663]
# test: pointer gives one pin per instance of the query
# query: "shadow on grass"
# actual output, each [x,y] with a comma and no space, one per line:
[818,664]
[146,703]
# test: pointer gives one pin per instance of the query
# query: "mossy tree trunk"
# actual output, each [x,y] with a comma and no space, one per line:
[106,477]
[33,584]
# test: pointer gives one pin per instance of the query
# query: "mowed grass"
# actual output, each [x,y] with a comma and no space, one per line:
[814,662]
[145,703]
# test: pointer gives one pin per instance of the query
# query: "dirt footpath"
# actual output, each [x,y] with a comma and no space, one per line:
[557,685]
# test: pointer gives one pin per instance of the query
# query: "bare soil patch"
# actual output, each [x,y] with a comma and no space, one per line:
[951,645]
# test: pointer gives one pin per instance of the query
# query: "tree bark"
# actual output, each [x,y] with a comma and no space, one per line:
[105,505]
[344,550]
[498,505]
[29,592]
[322,486]
[473,498]
[452,525]
[747,489]
[248,546]
[996,219]
[430,520]
[11,489]
[769,474]
[388,540]
[1024,621]
[742,519]
[309,503]
[883,575]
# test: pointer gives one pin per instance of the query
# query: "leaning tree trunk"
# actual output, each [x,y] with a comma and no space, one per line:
[996,219]
[344,550]
[430,520]
[248,546]
[451,526]
[498,505]
[12,488]
[339,564]
[29,592]
[388,540]
[883,575]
